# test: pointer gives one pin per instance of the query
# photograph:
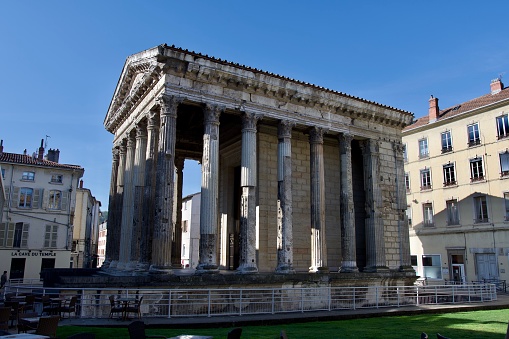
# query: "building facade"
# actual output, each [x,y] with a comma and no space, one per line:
[37,220]
[85,229]
[101,243]
[457,182]
[300,178]
[190,227]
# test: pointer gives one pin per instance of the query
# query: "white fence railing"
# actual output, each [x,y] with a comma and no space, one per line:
[94,303]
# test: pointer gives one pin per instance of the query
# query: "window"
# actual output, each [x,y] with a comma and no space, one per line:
[50,237]
[431,265]
[184,226]
[503,126]
[183,250]
[423,148]
[427,210]
[405,153]
[476,169]
[407,182]
[55,200]
[3,173]
[473,135]
[425,179]
[25,197]
[14,235]
[452,212]
[56,178]
[504,163]
[449,174]
[446,142]
[409,215]
[28,176]
[413,262]
[506,200]
[481,209]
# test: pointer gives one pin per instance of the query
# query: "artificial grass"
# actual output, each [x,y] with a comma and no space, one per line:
[490,324]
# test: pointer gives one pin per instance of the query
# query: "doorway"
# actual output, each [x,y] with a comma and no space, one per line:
[457,269]
[486,266]
[17,268]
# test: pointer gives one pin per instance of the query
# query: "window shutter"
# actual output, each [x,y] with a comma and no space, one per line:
[47,236]
[10,234]
[15,197]
[54,236]
[7,193]
[45,198]
[24,236]
[3,227]
[65,200]
[37,198]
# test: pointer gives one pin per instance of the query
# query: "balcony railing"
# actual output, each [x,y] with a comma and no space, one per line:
[474,142]
[446,149]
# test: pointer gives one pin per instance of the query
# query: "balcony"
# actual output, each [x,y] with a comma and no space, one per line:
[426,188]
[450,183]
[472,143]
[446,149]
[477,179]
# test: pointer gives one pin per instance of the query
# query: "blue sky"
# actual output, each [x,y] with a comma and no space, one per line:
[61,60]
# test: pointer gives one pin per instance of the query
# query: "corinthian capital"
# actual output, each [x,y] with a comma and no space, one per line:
[249,121]
[316,135]
[169,104]
[212,113]
[284,129]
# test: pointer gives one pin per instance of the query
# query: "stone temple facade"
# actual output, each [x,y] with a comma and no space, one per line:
[295,177]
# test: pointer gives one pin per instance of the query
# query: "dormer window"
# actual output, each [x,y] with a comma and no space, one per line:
[28,176]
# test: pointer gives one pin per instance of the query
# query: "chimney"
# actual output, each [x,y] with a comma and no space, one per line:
[496,86]
[41,150]
[25,151]
[53,155]
[433,109]
[1,146]
[81,183]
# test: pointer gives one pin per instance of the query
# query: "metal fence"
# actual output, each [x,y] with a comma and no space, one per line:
[94,303]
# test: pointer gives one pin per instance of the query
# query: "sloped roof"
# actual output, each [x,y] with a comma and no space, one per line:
[466,106]
[22,159]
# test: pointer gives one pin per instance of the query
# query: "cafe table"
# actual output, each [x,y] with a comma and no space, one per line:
[125,301]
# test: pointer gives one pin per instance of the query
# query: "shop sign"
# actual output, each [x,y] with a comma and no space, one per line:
[33,254]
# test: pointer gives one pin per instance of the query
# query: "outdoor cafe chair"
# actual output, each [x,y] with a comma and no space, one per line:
[69,307]
[235,333]
[48,326]
[24,326]
[115,307]
[137,331]
[5,315]
[135,308]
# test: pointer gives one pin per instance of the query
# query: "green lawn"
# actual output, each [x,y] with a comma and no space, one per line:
[464,325]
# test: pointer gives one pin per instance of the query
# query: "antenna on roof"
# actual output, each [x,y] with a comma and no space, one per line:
[46,142]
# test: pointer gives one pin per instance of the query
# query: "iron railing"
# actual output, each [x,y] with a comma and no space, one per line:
[94,303]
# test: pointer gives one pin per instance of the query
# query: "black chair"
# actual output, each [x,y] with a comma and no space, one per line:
[439,336]
[5,316]
[69,307]
[24,326]
[115,307]
[424,335]
[134,308]
[235,333]
[48,326]
[137,331]
[84,335]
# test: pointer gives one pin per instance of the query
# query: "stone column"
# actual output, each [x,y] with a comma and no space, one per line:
[404,237]
[284,198]
[348,262]
[165,183]
[127,205]
[375,241]
[110,241]
[147,228]
[209,191]
[247,260]
[318,244]
[176,246]
[117,224]
[138,184]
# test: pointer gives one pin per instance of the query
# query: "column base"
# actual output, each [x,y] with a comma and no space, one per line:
[348,269]
[121,266]
[206,269]
[105,265]
[285,269]
[244,269]
[131,266]
[375,269]
[406,269]
[321,269]
[160,270]
[113,264]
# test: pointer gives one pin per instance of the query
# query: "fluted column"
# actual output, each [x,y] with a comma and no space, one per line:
[138,184]
[127,205]
[147,228]
[247,260]
[403,234]
[176,246]
[348,250]
[318,244]
[165,182]
[117,224]
[110,241]
[375,242]
[284,198]
[209,191]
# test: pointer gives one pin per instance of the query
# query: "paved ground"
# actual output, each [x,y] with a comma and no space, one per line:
[269,319]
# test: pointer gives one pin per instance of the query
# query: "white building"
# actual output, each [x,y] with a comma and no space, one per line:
[37,220]
[101,243]
[190,230]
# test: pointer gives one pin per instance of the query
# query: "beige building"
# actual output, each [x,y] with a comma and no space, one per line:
[190,230]
[101,243]
[457,182]
[37,220]
[295,177]
[85,229]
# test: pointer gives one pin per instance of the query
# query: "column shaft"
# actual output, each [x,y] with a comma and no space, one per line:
[348,248]
[247,262]
[111,208]
[118,212]
[209,190]
[318,244]
[375,241]
[165,183]
[127,205]
[404,237]
[284,199]
[177,236]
